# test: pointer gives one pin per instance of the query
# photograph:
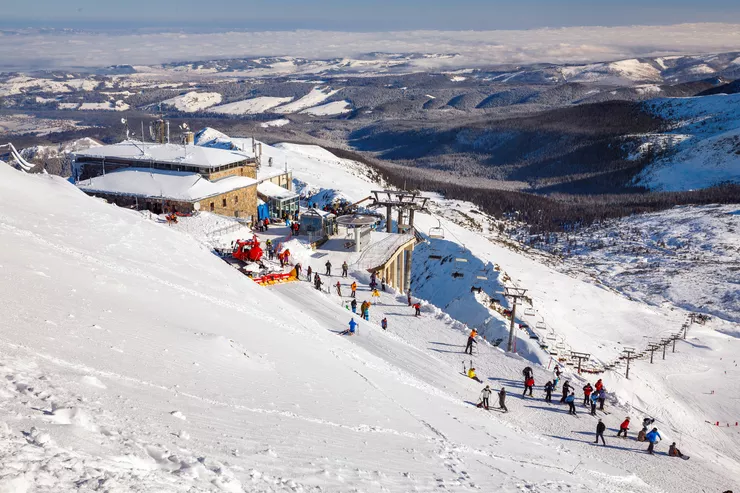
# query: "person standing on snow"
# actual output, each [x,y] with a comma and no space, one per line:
[571,401]
[309,271]
[528,385]
[375,294]
[382,284]
[624,427]
[548,392]
[417,310]
[602,398]
[353,287]
[502,399]
[328,267]
[587,389]
[345,268]
[317,282]
[484,395]
[384,323]
[594,399]
[339,288]
[653,438]
[566,391]
[471,340]
[298,268]
[354,305]
[599,385]
[600,429]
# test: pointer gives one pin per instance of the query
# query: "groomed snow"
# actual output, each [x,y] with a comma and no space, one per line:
[275,123]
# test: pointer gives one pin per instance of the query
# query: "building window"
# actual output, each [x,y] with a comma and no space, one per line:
[212,207]
[223,202]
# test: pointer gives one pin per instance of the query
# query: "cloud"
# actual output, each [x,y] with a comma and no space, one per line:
[48,50]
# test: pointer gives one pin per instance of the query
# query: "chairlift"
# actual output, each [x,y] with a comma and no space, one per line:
[529,312]
[437,232]
[551,337]
[540,325]
[460,259]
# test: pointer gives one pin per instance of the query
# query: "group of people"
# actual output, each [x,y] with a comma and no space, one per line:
[486,394]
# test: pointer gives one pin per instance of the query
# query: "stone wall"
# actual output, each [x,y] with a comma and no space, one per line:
[250,171]
[238,203]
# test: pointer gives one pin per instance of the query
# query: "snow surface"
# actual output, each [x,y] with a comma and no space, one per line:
[706,153]
[317,96]
[135,358]
[275,123]
[327,109]
[173,185]
[251,106]
[118,105]
[193,101]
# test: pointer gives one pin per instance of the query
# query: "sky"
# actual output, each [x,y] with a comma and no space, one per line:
[352,15]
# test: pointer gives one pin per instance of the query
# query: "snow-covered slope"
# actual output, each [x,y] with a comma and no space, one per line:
[706,136]
[333,108]
[314,98]
[251,106]
[193,101]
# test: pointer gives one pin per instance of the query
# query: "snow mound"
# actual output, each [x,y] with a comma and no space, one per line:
[193,101]
[275,123]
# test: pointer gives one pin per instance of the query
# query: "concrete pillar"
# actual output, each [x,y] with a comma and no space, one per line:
[401,271]
[400,220]
[389,219]
[411,217]
[394,278]
[357,239]
[407,278]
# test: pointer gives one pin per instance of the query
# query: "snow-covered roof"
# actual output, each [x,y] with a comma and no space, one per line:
[382,247]
[319,212]
[189,155]
[269,189]
[174,185]
[267,172]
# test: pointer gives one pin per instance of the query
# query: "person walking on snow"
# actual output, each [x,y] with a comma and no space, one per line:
[352,328]
[502,399]
[345,268]
[653,438]
[384,323]
[471,340]
[382,283]
[528,385]
[317,282]
[339,288]
[600,429]
[602,398]
[328,267]
[624,427]
[599,385]
[548,392]
[473,375]
[353,287]
[594,399]
[309,271]
[484,395]
[566,391]
[354,305]
[417,308]
[571,401]
[587,389]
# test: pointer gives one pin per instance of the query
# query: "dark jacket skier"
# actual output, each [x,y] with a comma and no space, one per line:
[309,271]
[345,268]
[502,399]
[328,267]
[600,429]
[566,390]
[354,305]
[548,392]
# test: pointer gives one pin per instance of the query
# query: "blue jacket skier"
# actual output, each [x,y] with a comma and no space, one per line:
[652,437]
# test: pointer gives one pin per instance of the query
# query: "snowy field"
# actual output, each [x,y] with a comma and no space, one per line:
[135,359]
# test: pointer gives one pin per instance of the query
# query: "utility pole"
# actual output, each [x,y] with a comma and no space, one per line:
[580,357]
[629,355]
[514,294]
[652,347]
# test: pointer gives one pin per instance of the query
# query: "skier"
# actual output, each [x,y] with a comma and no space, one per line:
[384,323]
[674,452]
[600,429]
[471,340]
[566,390]
[328,267]
[382,283]
[502,399]
[594,399]
[317,282]
[652,437]
[641,436]
[408,297]
[587,389]
[339,288]
[352,328]
[345,268]
[472,374]
[527,372]
[309,271]
[528,385]
[417,308]
[354,288]
[599,385]
[354,305]
[557,375]
[376,294]
[571,401]
[484,395]
[647,422]
[548,392]
[602,398]
[624,427]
